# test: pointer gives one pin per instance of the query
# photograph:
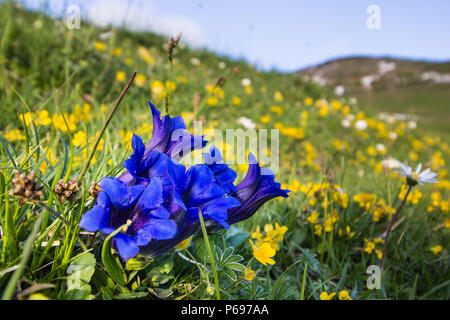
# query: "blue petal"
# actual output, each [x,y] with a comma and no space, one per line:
[218,209]
[158,229]
[151,198]
[103,200]
[120,194]
[163,229]
[178,123]
[202,186]
[224,175]
[138,146]
[258,187]
[95,219]
[143,236]
[160,213]
[126,245]
[222,203]
[134,163]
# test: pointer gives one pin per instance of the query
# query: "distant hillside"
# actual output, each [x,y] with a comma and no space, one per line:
[387,84]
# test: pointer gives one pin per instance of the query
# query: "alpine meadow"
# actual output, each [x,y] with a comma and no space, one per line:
[133,166]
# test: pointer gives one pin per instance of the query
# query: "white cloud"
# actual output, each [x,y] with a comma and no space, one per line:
[143,16]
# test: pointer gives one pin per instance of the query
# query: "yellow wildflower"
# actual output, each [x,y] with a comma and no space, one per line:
[100,46]
[344,295]
[120,76]
[447,223]
[14,135]
[140,80]
[43,117]
[265,119]
[171,85]
[184,244]
[263,253]
[313,217]
[278,96]
[369,247]
[158,90]
[236,101]
[436,249]
[277,109]
[249,274]
[117,51]
[212,101]
[325,296]
[308,101]
[79,138]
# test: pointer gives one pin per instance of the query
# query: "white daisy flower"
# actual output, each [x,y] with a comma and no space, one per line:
[361,125]
[345,123]
[246,82]
[195,61]
[417,177]
[393,135]
[391,163]
[380,147]
[350,117]
[247,123]
[412,125]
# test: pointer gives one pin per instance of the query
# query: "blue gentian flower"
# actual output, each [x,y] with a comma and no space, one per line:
[160,200]
[204,193]
[169,137]
[258,187]
[140,206]
[224,175]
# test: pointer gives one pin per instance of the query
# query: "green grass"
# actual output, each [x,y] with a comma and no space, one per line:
[428,102]
[44,254]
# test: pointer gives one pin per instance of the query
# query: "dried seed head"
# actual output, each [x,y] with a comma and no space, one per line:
[221,81]
[94,190]
[66,191]
[172,44]
[25,187]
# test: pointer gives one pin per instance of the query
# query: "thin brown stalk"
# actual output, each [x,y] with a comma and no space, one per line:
[105,125]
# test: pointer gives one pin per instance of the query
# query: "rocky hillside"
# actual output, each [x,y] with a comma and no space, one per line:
[393,85]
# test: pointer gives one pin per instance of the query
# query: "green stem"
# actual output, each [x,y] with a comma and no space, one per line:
[302,291]
[28,249]
[169,98]
[211,257]
[391,224]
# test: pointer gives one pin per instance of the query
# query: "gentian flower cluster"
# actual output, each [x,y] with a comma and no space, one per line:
[157,200]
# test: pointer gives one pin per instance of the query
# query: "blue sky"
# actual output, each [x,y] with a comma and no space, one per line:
[285,34]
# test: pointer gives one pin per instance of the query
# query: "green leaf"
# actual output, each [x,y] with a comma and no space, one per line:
[112,266]
[201,250]
[106,293]
[161,274]
[236,236]
[130,295]
[235,266]
[82,293]
[343,278]
[161,293]
[277,287]
[230,273]
[81,270]
[137,264]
